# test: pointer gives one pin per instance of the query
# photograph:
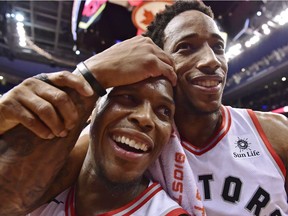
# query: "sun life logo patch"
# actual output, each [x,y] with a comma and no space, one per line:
[242,144]
[244,149]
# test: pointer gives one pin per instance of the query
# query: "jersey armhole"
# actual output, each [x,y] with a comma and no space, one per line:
[268,145]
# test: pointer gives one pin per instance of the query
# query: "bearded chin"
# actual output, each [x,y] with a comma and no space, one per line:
[117,187]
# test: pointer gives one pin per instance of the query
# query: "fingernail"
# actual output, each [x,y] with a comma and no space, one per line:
[50,136]
[63,133]
[89,90]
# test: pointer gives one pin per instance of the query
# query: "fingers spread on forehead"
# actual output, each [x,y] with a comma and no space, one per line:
[170,71]
[68,79]
[159,62]
[157,67]
[165,57]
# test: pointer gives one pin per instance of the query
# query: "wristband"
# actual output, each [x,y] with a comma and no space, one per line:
[91,79]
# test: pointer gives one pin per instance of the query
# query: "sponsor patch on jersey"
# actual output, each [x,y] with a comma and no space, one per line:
[242,147]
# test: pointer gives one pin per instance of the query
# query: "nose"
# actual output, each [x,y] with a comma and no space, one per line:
[208,62]
[142,117]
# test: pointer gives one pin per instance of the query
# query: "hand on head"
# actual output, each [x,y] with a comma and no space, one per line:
[131,61]
[46,110]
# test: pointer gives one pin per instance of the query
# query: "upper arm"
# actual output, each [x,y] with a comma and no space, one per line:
[68,175]
[275,127]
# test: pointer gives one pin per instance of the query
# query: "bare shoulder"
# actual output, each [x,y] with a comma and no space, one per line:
[272,122]
[275,127]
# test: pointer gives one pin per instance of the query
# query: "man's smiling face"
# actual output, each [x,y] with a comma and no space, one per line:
[197,48]
[130,130]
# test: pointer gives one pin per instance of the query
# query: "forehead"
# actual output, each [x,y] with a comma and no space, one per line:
[159,86]
[157,89]
[190,22]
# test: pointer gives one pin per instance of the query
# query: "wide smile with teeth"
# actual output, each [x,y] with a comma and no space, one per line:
[207,83]
[130,142]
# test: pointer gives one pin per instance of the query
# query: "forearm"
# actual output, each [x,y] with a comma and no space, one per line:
[24,156]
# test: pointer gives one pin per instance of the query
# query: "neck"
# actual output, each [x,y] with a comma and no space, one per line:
[94,195]
[197,128]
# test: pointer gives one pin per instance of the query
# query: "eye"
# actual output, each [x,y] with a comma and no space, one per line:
[219,48]
[184,46]
[165,113]
[125,99]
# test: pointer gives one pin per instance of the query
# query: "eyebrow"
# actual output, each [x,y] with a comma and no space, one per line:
[168,100]
[195,35]
[214,35]
[165,98]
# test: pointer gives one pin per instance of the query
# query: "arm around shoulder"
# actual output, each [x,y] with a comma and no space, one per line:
[29,164]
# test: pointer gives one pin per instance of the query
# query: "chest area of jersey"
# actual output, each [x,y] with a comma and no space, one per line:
[240,173]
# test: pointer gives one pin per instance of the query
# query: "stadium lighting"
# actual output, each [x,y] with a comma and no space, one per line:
[19,17]
[234,51]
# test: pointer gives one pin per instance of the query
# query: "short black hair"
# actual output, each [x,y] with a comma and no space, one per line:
[156,29]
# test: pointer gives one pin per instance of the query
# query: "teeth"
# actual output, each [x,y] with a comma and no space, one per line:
[207,83]
[130,142]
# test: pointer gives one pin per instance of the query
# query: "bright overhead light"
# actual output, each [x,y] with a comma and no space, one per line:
[21,33]
[282,17]
[270,23]
[22,43]
[248,44]
[267,31]
[259,32]
[233,51]
[19,17]
[283,79]
[19,25]
[255,39]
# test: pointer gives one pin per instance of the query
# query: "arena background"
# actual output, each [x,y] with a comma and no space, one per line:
[46,36]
